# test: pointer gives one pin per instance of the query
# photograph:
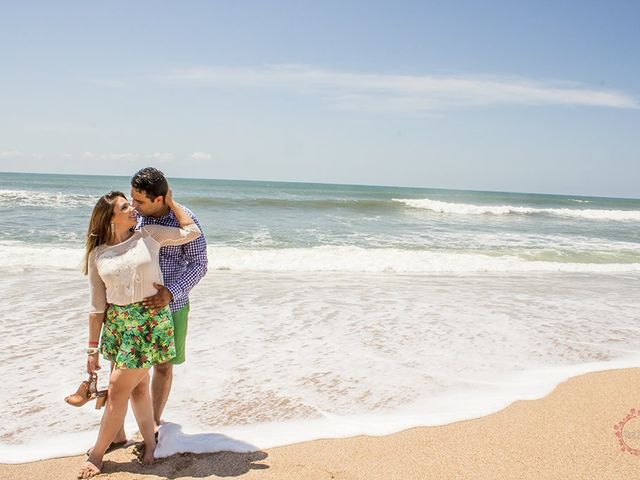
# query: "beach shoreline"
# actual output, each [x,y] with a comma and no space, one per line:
[570,433]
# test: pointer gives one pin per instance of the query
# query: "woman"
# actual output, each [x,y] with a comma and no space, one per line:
[122,265]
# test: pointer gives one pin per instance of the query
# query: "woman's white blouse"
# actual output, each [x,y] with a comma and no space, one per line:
[125,273]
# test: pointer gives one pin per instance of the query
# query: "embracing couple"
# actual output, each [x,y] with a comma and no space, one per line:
[142,259]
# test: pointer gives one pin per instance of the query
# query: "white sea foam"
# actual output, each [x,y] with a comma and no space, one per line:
[175,438]
[18,256]
[15,256]
[357,259]
[440,410]
[276,358]
[470,209]
[33,198]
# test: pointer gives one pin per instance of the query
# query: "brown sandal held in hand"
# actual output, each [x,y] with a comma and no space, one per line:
[101,399]
[88,391]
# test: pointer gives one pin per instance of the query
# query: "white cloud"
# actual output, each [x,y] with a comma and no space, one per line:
[162,157]
[114,157]
[10,154]
[201,156]
[158,157]
[18,155]
[404,93]
[117,157]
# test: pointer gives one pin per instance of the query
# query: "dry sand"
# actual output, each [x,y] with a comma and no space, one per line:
[570,434]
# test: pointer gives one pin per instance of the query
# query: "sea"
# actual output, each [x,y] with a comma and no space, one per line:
[327,310]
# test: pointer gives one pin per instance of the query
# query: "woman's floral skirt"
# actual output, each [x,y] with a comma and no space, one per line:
[134,336]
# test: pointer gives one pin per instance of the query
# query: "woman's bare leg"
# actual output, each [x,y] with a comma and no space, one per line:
[121,384]
[121,436]
[143,410]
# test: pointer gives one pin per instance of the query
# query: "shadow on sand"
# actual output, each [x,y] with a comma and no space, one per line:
[199,455]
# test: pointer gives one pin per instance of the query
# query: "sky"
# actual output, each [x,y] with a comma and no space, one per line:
[504,96]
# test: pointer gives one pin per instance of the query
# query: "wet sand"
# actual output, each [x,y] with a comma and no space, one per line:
[569,434]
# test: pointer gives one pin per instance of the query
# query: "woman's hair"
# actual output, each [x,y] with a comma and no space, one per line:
[100,230]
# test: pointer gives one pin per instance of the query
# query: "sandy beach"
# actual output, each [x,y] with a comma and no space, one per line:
[571,433]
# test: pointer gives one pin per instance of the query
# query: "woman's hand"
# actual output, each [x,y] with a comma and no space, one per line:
[168,199]
[181,215]
[93,363]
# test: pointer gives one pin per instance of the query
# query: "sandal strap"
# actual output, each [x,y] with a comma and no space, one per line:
[93,385]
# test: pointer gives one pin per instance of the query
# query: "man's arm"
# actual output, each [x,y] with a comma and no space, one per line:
[197,262]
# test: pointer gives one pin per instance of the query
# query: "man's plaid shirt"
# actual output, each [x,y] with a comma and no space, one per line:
[182,266]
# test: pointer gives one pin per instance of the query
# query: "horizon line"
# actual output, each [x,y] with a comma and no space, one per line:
[338,184]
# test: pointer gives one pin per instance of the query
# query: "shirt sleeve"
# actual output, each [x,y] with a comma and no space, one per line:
[195,252]
[97,288]
[166,236]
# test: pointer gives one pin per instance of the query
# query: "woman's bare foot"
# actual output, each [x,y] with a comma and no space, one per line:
[147,458]
[89,470]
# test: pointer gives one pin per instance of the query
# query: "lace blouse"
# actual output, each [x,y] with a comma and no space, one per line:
[125,273]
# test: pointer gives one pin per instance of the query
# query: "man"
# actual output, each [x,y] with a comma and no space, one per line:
[182,268]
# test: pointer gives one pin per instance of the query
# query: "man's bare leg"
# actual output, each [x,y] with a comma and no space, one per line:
[160,389]
[141,403]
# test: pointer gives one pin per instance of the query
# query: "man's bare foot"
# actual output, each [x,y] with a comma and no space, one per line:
[144,454]
[147,458]
[89,470]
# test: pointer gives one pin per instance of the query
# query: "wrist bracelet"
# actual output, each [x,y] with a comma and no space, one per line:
[92,350]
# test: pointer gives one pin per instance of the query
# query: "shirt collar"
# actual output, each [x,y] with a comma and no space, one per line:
[152,219]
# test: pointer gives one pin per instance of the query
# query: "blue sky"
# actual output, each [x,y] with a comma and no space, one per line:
[509,96]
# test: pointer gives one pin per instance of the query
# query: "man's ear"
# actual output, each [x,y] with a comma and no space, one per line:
[159,200]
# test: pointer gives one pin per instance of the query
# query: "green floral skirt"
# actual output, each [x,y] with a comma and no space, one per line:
[134,336]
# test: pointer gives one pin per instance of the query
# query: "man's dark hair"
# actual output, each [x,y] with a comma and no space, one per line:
[151,181]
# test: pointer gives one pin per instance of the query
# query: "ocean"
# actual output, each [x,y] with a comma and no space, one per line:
[328,310]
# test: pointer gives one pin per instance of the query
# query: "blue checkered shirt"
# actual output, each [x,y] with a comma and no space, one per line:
[182,266]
